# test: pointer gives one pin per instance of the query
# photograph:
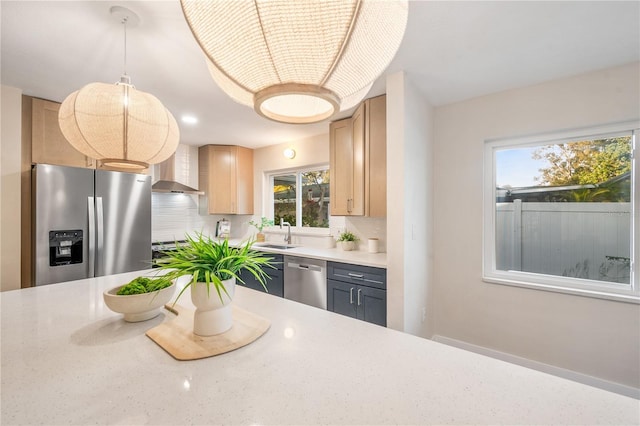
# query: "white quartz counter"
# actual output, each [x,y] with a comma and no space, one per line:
[357,257]
[67,359]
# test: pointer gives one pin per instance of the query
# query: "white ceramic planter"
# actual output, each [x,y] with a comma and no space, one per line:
[138,307]
[347,245]
[212,315]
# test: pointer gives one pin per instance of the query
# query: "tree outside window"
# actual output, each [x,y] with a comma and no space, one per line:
[302,198]
[559,212]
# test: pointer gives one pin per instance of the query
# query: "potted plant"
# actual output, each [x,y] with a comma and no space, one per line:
[141,299]
[214,267]
[347,240]
[259,226]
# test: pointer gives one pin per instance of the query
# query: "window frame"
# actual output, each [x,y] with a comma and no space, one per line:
[568,285]
[299,229]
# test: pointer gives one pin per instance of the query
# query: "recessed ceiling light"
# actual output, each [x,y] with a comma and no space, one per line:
[189,119]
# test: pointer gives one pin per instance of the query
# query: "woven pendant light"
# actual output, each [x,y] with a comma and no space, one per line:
[115,123]
[297,61]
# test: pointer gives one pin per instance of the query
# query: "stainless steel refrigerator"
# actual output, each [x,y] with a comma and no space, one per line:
[89,223]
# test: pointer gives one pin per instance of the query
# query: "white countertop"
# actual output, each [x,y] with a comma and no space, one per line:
[67,359]
[357,257]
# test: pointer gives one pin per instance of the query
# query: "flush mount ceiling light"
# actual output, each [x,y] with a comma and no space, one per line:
[297,61]
[117,124]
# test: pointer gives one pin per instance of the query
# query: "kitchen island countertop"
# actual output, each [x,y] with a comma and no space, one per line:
[67,359]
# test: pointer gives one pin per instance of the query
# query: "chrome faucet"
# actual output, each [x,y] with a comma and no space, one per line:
[288,237]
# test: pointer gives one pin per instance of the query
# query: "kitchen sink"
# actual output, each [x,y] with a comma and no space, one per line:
[275,246]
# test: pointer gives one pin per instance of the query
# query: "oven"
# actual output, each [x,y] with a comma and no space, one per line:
[162,248]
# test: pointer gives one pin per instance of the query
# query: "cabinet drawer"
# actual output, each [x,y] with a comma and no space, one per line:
[357,274]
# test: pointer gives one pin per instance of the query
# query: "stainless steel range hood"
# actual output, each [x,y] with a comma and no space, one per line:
[168,183]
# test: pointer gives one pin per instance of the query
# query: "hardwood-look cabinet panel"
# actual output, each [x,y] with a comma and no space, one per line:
[376,158]
[358,161]
[48,144]
[226,178]
[358,143]
[341,160]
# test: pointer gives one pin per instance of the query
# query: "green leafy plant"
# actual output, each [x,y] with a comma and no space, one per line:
[263,222]
[347,236]
[211,262]
[142,285]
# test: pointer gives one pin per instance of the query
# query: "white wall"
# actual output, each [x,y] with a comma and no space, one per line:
[592,336]
[409,207]
[10,161]
[313,151]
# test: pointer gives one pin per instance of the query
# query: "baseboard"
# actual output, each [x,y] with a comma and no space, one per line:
[546,368]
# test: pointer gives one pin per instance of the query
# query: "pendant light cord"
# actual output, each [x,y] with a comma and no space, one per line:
[124,22]
[125,115]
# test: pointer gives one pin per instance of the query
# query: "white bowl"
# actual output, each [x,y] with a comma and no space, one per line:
[138,307]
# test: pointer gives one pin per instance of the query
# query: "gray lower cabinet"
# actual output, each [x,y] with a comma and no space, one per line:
[275,285]
[357,291]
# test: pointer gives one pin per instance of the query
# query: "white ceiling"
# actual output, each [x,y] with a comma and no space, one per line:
[451,51]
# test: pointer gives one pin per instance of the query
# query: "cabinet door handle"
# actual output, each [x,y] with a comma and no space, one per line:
[359,291]
[349,205]
[352,275]
[351,296]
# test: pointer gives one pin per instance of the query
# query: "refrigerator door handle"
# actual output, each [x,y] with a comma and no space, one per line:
[100,239]
[92,237]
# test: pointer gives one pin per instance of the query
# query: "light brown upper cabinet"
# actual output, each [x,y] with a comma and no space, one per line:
[48,144]
[375,183]
[225,175]
[358,161]
[346,170]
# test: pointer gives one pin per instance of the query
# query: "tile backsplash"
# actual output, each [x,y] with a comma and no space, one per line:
[173,215]
[363,227]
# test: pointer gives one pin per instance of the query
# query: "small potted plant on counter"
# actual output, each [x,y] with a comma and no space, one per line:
[259,226]
[214,267]
[347,240]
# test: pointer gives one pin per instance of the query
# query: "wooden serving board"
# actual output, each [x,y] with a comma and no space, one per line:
[177,338]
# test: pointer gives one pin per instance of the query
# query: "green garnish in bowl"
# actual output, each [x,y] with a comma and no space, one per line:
[142,285]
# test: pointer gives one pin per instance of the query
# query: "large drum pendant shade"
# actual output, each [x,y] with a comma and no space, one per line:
[297,61]
[119,125]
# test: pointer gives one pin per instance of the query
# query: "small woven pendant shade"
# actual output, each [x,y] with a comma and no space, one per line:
[119,125]
[297,61]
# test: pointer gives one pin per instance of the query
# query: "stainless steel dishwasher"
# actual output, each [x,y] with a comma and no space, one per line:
[305,281]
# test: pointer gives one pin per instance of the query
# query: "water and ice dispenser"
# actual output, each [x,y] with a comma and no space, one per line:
[65,247]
